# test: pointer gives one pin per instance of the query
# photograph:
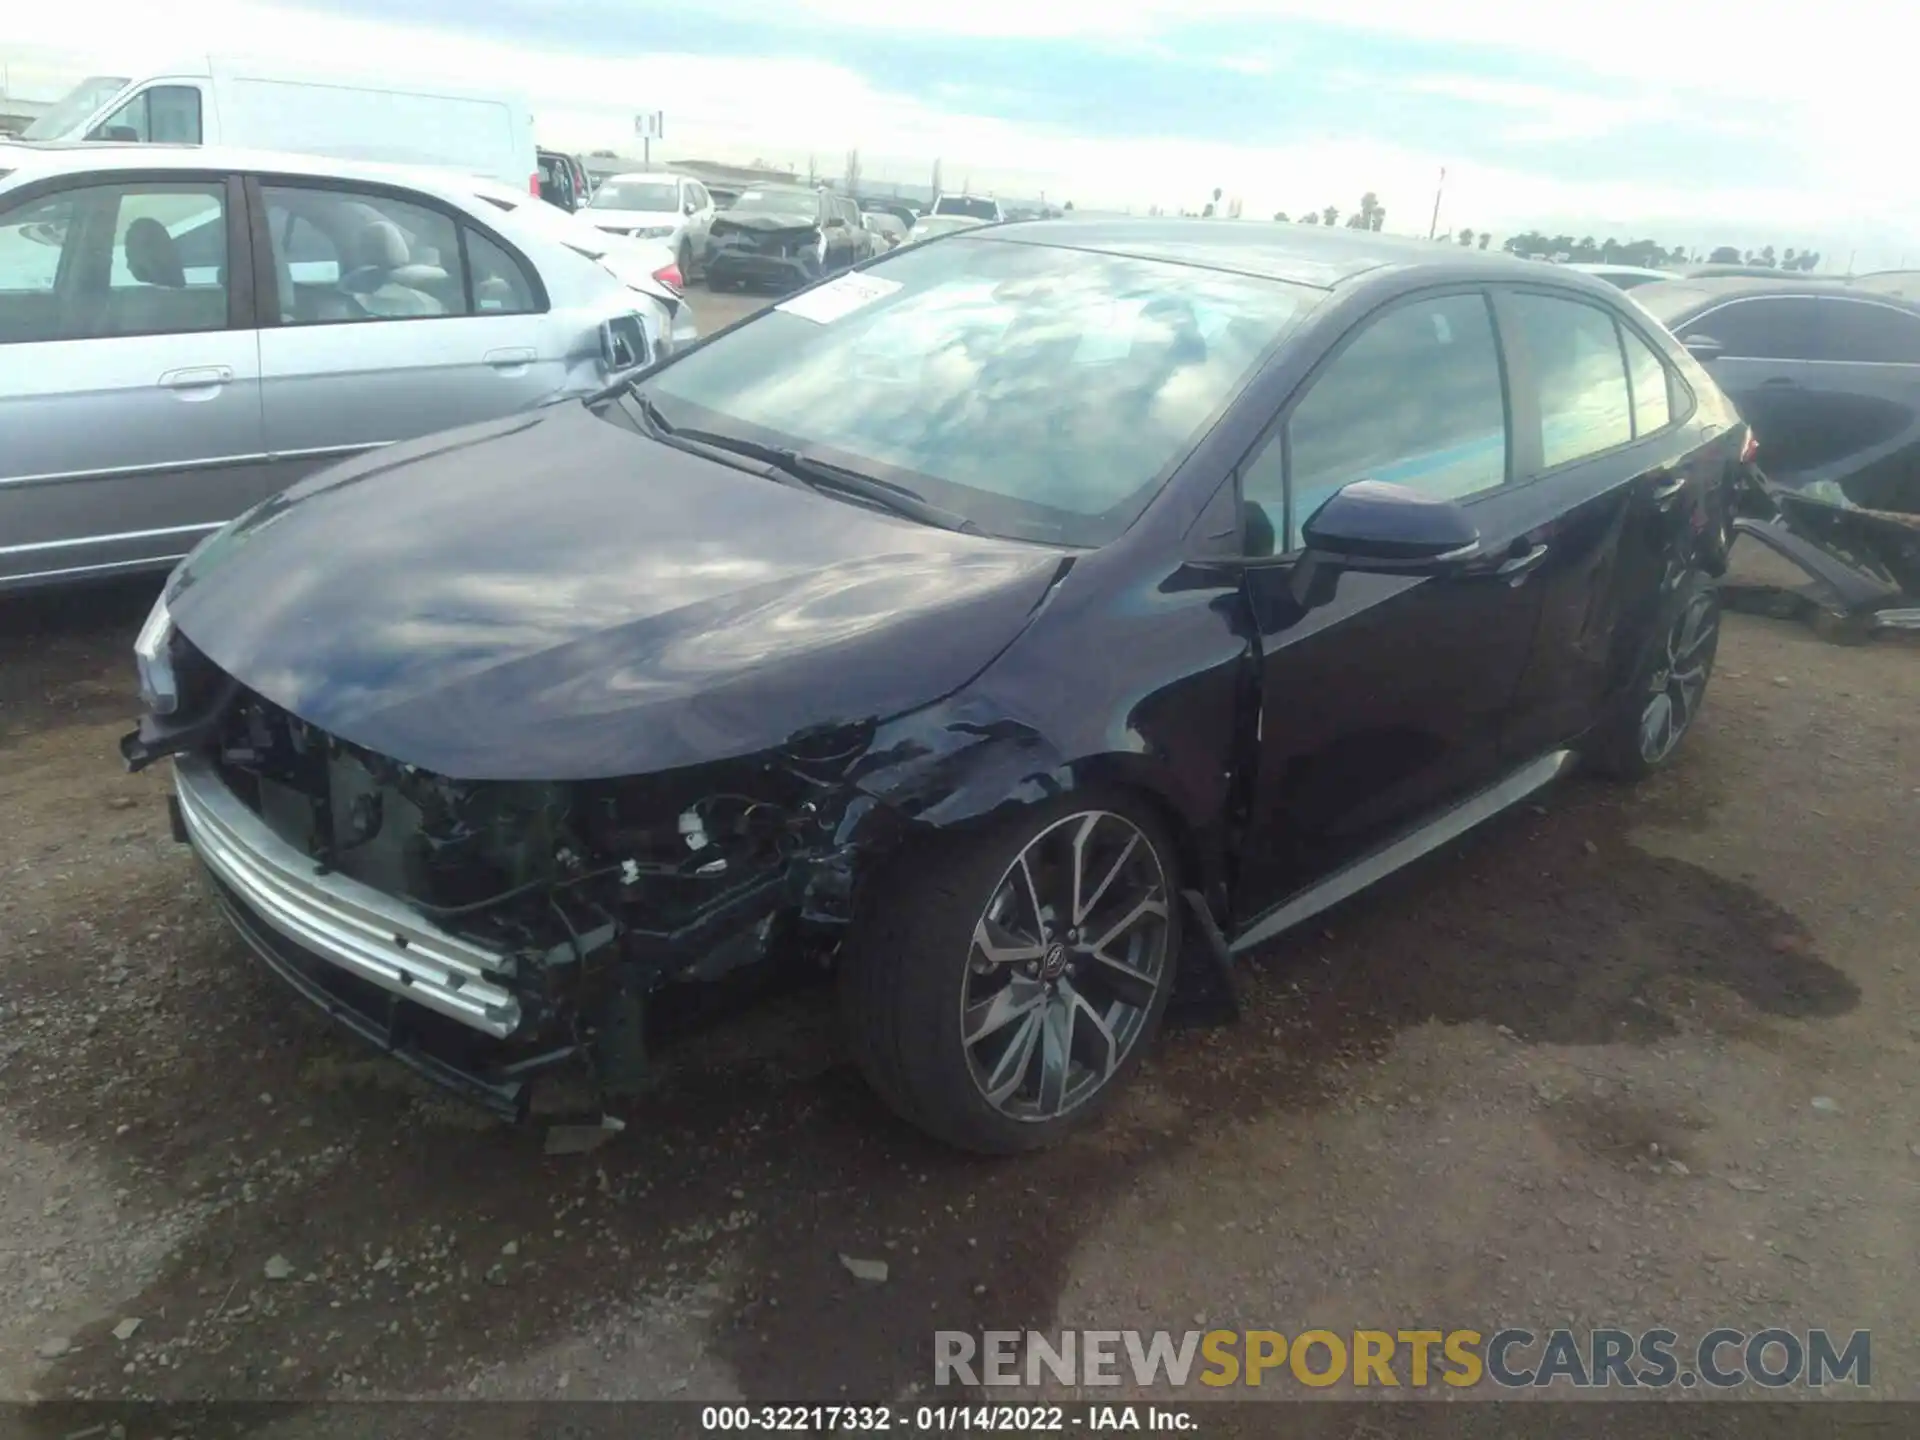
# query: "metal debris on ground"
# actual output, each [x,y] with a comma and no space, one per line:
[874,1271]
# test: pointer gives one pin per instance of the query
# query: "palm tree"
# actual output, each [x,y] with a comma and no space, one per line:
[1312,217]
[1466,237]
[1330,215]
[1484,237]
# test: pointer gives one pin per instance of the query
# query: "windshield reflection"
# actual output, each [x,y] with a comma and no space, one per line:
[75,106]
[1043,393]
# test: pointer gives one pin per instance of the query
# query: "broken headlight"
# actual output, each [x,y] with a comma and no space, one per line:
[153,658]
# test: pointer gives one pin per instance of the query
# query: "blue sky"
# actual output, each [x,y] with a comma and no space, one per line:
[1773,132]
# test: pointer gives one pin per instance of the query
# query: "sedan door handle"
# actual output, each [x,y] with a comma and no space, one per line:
[196,377]
[509,359]
[1668,490]
[1516,568]
[1779,382]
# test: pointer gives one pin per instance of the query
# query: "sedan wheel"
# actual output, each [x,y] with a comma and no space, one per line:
[1067,959]
[1001,985]
[1678,685]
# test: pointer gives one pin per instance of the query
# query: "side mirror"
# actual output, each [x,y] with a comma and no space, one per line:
[1704,348]
[1391,529]
[623,344]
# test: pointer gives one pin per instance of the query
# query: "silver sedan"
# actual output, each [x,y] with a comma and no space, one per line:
[184,332]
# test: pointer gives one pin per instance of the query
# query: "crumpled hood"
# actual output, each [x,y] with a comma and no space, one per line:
[555,597]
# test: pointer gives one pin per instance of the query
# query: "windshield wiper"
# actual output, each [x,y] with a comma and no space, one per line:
[815,474]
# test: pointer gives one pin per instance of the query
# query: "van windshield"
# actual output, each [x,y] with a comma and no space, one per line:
[75,107]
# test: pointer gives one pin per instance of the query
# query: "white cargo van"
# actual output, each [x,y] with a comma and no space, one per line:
[215,100]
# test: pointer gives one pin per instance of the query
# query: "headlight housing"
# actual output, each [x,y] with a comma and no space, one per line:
[655,232]
[153,658]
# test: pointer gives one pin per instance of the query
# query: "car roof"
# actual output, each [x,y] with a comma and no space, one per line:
[34,161]
[1675,299]
[1310,255]
[1603,268]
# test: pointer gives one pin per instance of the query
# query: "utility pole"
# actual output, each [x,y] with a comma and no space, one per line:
[1433,226]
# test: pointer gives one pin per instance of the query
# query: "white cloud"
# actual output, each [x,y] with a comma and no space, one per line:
[1714,65]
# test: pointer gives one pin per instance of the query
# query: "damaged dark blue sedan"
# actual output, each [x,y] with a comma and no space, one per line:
[1021,626]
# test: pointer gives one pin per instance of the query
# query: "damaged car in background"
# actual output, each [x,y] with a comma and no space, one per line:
[1142,597]
[1829,376]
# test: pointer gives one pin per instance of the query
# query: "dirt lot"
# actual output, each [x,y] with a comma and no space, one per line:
[1564,1073]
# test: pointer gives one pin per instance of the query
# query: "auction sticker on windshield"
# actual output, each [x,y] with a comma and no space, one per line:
[838,297]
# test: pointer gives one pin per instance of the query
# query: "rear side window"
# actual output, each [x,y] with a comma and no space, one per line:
[1575,349]
[500,285]
[106,260]
[1791,327]
[1651,391]
[1877,334]
[1415,399]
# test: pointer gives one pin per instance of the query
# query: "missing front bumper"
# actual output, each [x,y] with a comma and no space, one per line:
[369,936]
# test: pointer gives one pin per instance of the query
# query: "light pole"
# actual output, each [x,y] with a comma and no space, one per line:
[1433,225]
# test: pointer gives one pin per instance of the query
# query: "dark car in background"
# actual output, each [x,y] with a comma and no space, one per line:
[1019,628]
[563,180]
[1828,375]
[783,236]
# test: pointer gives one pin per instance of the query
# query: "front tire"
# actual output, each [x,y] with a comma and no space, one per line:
[1666,695]
[1001,986]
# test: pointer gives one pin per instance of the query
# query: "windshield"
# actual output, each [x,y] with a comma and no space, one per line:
[964,205]
[1044,394]
[776,202]
[75,107]
[635,195]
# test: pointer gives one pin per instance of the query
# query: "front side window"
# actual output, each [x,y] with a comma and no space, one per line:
[1042,393]
[1416,400]
[105,260]
[342,256]
[1792,327]
[161,114]
[1575,350]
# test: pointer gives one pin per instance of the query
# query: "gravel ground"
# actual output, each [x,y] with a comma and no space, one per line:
[1563,1073]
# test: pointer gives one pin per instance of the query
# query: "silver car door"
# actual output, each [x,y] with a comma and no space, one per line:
[129,372]
[392,316]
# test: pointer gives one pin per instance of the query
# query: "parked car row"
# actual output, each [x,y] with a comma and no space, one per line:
[1020,628]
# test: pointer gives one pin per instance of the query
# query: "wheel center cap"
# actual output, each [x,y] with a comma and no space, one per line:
[1054,964]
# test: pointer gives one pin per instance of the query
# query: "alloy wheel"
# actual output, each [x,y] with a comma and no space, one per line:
[1681,679]
[1067,960]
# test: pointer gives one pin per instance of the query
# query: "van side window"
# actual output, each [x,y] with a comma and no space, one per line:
[160,114]
[145,258]
[342,256]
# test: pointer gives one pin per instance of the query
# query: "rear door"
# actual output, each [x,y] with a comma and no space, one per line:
[388,316]
[1388,700]
[129,371]
[1613,474]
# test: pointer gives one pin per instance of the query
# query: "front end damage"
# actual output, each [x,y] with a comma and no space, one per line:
[488,932]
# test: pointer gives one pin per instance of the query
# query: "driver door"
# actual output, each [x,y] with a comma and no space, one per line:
[1386,701]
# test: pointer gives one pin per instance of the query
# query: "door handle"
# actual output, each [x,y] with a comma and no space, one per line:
[1668,490]
[508,359]
[1515,568]
[1779,382]
[196,377]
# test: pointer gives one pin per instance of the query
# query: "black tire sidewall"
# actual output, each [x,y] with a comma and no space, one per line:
[1618,753]
[944,888]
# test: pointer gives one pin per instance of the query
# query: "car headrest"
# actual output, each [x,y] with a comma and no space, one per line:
[152,256]
[381,245]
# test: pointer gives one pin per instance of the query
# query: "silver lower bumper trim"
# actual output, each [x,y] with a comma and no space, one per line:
[370,935]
